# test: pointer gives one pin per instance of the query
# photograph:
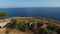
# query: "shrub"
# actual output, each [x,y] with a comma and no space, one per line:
[31,27]
[21,27]
[58,31]
[7,31]
[12,24]
[46,32]
[51,27]
[53,32]
[3,15]
[39,24]
[9,25]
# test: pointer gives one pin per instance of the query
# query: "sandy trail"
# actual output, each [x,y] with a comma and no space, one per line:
[4,22]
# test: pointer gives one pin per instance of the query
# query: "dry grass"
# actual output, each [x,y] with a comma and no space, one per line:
[32,19]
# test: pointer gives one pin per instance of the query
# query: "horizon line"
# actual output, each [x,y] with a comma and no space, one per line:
[29,7]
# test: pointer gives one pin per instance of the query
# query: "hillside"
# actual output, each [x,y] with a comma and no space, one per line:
[35,23]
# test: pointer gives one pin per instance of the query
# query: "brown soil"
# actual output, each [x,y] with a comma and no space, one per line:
[16,31]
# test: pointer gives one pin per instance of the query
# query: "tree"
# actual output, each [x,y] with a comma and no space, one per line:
[3,14]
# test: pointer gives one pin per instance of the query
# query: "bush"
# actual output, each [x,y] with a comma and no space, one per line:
[12,24]
[53,32]
[3,15]
[58,31]
[7,31]
[9,25]
[46,32]
[21,27]
[31,27]
[51,27]
[39,24]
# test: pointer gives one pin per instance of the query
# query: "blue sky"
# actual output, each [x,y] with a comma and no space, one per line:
[29,3]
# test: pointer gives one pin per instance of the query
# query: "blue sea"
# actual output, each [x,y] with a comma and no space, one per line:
[47,12]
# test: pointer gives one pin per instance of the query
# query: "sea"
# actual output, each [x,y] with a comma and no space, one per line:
[47,12]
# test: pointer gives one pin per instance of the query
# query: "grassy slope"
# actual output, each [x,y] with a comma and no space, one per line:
[41,20]
[32,19]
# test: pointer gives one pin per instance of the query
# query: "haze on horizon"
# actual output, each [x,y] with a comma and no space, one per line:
[29,3]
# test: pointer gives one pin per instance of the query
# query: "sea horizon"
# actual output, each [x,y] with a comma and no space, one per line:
[47,12]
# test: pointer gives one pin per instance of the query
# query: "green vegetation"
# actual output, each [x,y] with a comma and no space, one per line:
[7,31]
[30,26]
[10,26]
[58,31]
[3,15]
[22,27]
[51,27]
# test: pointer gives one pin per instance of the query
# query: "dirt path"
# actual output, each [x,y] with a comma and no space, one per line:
[16,31]
[4,22]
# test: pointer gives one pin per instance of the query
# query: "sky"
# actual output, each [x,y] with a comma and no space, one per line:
[29,3]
